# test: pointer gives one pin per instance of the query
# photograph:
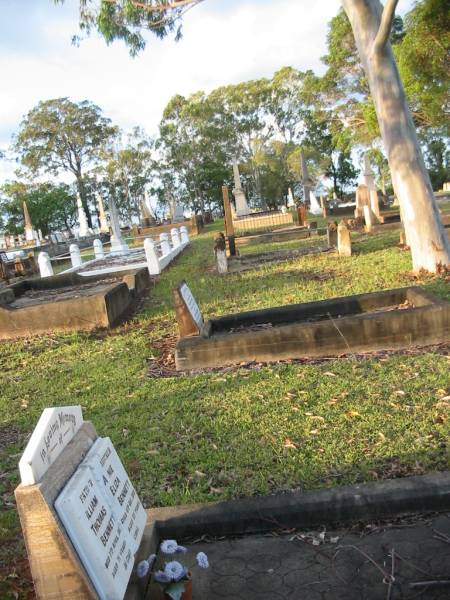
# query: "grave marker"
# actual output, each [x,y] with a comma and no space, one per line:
[55,429]
[82,520]
[189,315]
[344,240]
[104,518]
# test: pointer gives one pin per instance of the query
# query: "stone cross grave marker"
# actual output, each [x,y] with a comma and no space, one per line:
[82,520]
[189,315]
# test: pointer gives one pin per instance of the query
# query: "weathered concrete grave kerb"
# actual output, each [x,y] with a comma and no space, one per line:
[391,319]
[82,520]
[69,302]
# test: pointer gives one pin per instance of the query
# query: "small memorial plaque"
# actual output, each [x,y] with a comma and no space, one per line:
[191,304]
[54,430]
[104,519]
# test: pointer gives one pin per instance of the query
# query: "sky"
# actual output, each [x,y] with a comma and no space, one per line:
[224,42]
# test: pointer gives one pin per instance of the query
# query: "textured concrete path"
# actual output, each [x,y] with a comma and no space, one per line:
[303,566]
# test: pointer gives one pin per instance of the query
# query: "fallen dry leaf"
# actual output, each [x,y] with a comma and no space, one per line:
[352,414]
[289,444]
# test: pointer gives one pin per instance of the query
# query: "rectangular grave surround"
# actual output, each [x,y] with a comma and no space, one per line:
[68,302]
[390,319]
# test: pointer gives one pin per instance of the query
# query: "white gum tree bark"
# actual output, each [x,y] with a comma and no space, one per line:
[371,24]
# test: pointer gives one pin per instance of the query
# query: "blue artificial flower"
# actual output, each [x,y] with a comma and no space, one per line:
[175,570]
[169,546]
[202,560]
[162,577]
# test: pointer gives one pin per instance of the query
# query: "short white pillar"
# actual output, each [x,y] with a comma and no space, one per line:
[184,234]
[45,264]
[98,249]
[174,234]
[165,246]
[75,255]
[151,257]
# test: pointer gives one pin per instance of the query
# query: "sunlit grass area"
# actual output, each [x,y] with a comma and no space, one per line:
[226,434]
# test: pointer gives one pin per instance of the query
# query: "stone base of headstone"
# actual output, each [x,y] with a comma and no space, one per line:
[344,240]
[242,208]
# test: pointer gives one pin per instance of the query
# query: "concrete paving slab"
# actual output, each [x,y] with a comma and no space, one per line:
[300,565]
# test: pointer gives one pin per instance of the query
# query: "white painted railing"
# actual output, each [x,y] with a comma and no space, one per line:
[157,254]
[160,255]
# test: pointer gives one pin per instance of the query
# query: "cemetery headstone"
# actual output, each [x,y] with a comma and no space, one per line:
[344,240]
[332,234]
[229,228]
[81,517]
[242,208]
[189,315]
[220,251]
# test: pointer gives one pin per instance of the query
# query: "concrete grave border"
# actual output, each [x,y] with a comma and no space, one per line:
[298,509]
[345,325]
[102,309]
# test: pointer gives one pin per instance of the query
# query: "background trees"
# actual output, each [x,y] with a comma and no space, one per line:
[63,136]
[51,206]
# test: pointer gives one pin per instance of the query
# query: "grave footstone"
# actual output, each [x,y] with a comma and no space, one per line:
[189,315]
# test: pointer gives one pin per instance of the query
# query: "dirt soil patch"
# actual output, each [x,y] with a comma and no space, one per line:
[33,297]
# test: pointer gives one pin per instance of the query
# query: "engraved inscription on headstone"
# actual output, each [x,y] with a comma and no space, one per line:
[191,304]
[104,518]
[54,430]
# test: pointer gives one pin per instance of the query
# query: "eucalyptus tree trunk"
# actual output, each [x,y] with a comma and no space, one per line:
[371,24]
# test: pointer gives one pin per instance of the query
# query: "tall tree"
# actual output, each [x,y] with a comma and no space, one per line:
[64,136]
[371,24]
[424,63]
[126,171]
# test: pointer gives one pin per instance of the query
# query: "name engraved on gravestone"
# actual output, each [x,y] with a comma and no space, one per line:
[56,427]
[191,304]
[104,518]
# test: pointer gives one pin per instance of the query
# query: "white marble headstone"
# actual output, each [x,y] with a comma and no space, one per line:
[104,519]
[191,304]
[54,430]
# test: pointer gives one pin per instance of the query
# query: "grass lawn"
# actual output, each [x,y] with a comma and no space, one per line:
[239,431]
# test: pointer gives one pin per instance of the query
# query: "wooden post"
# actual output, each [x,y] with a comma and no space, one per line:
[229,229]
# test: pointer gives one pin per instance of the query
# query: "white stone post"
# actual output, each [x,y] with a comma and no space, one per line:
[151,257]
[98,249]
[184,235]
[368,218]
[45,265]
[175,237]
[165,246]
[75,255]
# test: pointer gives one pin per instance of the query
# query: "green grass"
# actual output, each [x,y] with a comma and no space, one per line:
[241,432]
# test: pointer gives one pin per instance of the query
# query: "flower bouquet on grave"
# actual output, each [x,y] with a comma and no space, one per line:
[175,579]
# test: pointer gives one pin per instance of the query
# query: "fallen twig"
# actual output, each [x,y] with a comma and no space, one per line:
[432,583]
